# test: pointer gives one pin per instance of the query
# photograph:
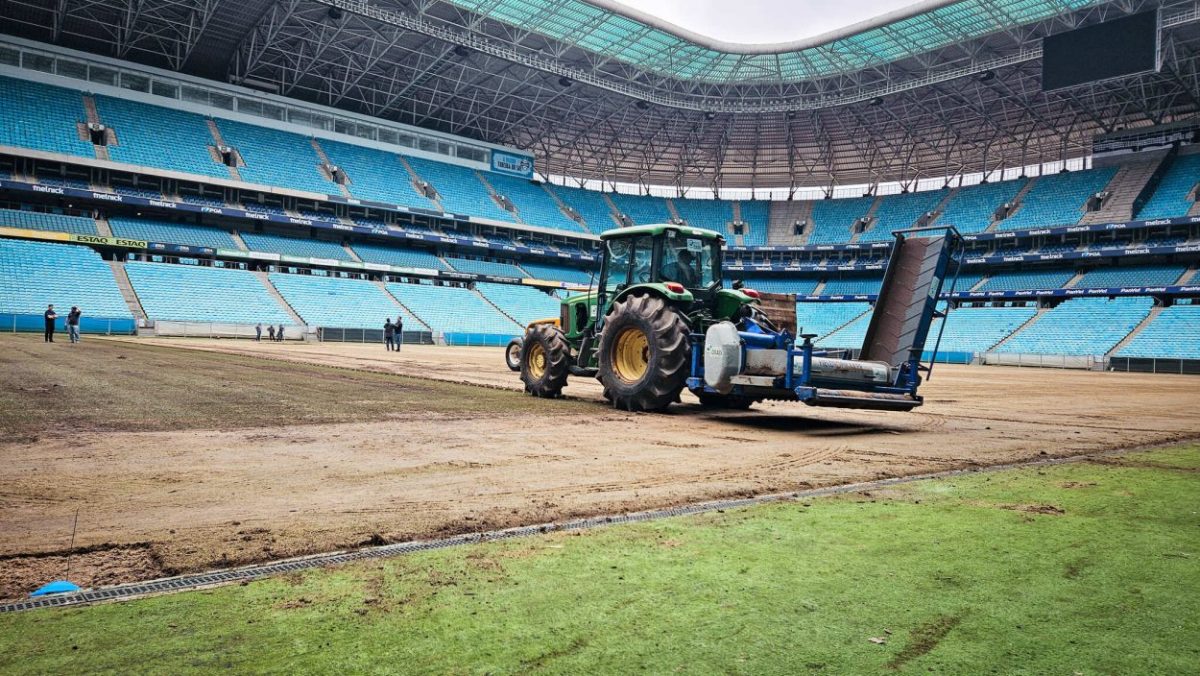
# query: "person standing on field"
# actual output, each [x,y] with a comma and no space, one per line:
[271,331]
[258,332]
[50,316]
[389,333]
[73,323]
[399,332]
[279,334]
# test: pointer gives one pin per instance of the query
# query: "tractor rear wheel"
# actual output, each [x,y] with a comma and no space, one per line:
[545,361]
[729,401]
[643,354]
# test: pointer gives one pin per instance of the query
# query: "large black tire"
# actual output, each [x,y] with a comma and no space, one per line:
[643,354]
[545,361]
[512,354]
[729,401]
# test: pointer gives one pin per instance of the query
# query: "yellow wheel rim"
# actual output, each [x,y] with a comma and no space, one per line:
[631,355]
[537,361]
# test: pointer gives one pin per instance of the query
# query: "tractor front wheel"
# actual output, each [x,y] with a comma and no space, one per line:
[643,354]
[545,361]
[512,354]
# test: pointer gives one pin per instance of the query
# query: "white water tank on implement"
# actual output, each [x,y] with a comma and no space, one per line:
[722,356]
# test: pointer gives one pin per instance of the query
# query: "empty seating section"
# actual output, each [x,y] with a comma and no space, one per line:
[523,303]
[404,258]
[1057,199]
[756,214]
[972,208]
[710,214]
[1138,275]
[590,205]
[849,336]
[832,219]
[1172,197]
[153,230]
[642,209]
[897,212]
[486,267]
[558,272]
[852,285]
[975,329]
[165,138]
[825,318]
[533,204]
[192,293]
[966,281]
[1082,326]
[780,284]
[459,189]
[36,274]
[42,117]
[37,220]
[276,158]
[375,174]
[294,246]
[448,309]
[1173,334]
[1019,281]
[337,302]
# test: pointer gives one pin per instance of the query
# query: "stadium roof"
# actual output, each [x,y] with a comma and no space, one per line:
[599,91]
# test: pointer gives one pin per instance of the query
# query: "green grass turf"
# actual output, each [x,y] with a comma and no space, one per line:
[1091,568]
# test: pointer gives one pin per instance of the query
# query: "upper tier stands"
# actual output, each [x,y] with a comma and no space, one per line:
[1173,334]
[557,272]
[37,220]
[971,208]
[1132,275]
[192,293]
[35,274]
[294,246]
[486,267]
[337,302]
[533,204]
[589,204]
[1172,196]
[832,219]
[711,214]
[460,190]
[825,318]
[404,258]
[278,158]
[756,214]
[152,136]
[375,174]
[451,309]
[42,117]
[1036,279]
[1058,199]
[1081,326]
[897,212]
[523,303]
[154,230]
[642,209]
[975,329]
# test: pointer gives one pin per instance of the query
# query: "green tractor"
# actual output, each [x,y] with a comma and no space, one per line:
[659,321]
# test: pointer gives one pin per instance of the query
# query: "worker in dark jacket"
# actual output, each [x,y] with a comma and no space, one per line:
[389,333]
[73,323]
[279,334]
[271,332]
[399,332]
[50,316]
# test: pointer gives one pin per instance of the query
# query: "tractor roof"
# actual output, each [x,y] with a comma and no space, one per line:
[660,228]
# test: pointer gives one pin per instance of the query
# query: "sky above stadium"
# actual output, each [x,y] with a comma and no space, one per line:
[758,21]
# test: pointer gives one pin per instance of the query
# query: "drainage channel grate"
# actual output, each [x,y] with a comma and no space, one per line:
[249,573]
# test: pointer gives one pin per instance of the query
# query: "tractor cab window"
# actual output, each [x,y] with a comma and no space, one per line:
[628,262]
[689,261]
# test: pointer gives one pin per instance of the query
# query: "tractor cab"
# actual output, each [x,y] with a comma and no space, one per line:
[677,258]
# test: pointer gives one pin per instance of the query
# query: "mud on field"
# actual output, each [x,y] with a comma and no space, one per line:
[159,503]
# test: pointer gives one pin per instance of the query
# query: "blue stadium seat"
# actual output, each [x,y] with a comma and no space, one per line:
[642,209]
[533,204]
[971,208]
[756,214]
[558,273]
[590,205]
[37,220]
[154,136]
[832,219]
[975,329]
[1170,198]
[1081,326]
[448,309]
[375,174]
[193,293]
[522,303]
[404,258]
[294,246]
[339,302]
[1019,281]
[1133,275]
[898,212]
[710,214]
[277,158]
[1058,199]
[460,190]
[42,117]
[852,285]
[825,318]
[1173,334]
[154,230]
[36,274]
[486,267]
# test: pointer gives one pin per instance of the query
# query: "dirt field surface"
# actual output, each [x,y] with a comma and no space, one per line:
[204,491]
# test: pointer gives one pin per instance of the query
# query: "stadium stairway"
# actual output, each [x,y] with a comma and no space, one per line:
[384,288]
[676,218]
[1070,283]
[783,217]
[498,308]
[567,211]
[819,288]
[1017,199]
[316,146]
[351,253]
[417,182]
[1124,188]
[237,238]
[870,216]
[612,210]
[1187,276]
[1194,210]
[1146,321]
[219,140]
[1031,320]
[102,227]
[127,292]
[93,117]
[500,200]
[940,208]
[266,281]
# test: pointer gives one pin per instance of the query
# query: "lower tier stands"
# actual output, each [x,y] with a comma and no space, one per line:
[294,246]
[170,232]
[977,329]
[525,304]
[36,274]
[337,302]
[404,258]
[1081,326]
[1173,334]
[37,220]
[452,309]
[825,318]
[193,293]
